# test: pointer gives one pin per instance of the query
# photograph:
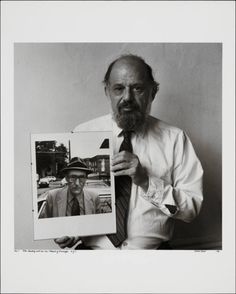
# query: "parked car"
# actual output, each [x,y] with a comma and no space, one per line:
[44,183]
[99,186]
[63,182]
[51,178]
[104,191]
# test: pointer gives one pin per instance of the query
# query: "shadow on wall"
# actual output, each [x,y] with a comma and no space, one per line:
[208,224]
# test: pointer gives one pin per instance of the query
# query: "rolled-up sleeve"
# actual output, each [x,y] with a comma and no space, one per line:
[182,196]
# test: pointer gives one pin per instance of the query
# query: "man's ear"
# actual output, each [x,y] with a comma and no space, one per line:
[155,89]
[106,90]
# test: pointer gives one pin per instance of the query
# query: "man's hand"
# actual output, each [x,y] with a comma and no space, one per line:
[66,241]
[126,163]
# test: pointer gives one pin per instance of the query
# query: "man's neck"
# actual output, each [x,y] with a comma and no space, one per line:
[72,195]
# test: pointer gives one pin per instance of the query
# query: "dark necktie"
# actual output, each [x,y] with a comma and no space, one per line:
[123,191]
[75,209]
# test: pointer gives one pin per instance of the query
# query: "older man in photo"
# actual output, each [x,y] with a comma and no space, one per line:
[72,199]
[158,177]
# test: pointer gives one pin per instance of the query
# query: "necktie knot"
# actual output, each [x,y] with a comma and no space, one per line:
[126,145]
[127,135]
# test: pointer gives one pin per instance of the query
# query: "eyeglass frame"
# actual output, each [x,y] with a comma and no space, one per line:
[73,179]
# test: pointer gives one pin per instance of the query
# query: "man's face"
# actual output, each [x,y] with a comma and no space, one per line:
[131,94]
[76,180]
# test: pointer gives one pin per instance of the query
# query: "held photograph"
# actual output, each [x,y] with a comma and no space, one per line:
[72,184]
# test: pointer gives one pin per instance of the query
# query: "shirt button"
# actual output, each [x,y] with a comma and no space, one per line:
[125,244]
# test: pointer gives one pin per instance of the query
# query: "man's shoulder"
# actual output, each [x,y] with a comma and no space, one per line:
[55,192]
[158,125]
[102,123]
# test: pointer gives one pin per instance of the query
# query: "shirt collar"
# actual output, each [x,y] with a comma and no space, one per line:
[70,197]
[116,130]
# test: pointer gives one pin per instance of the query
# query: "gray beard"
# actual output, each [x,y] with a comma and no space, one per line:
[130,121]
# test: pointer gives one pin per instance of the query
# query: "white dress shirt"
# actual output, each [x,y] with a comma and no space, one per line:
[175,178]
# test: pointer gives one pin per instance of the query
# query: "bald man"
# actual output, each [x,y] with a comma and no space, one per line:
[161,172]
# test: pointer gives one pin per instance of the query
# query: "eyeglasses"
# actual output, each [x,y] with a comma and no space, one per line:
[73,179]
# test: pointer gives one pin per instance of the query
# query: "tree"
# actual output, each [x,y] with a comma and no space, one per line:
[50,157]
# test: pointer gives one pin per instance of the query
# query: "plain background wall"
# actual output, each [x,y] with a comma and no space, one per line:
[57,86]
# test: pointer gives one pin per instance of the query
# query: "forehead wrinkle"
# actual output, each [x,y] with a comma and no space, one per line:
[128,72]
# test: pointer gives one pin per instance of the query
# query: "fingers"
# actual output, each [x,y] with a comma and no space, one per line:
[65,241]
[124,172]
[124,163]
[61,240]
[124,160]
[121,157]
[120,166]
[68,243]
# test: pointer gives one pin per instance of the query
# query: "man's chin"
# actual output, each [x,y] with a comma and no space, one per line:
[128,120]
[76,191]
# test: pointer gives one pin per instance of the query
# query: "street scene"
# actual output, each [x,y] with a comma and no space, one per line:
[53,156]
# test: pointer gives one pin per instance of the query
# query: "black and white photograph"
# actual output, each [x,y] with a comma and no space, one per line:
[158,101]
[71,178]
[118,172]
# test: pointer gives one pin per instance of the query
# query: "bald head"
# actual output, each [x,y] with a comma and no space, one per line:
[131,88]
[135,61]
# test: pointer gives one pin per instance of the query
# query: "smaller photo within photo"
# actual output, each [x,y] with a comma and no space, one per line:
[73,190]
